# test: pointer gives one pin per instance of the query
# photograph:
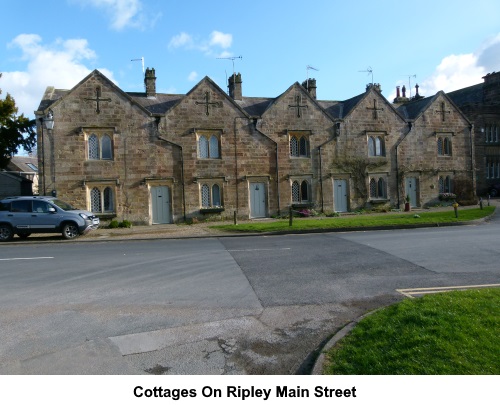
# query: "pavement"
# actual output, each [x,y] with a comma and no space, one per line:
[205,230]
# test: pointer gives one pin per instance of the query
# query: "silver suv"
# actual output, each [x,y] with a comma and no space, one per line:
[26,215]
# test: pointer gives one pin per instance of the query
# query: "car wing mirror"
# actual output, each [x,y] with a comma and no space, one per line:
[52,209]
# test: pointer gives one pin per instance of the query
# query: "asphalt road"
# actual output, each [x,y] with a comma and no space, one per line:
[238,305]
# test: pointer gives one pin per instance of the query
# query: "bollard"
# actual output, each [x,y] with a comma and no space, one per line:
[488,200]
[290,217]
[235,222]
[455,207]
[480,202]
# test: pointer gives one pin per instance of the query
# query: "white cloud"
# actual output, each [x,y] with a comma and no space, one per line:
[193,76]
[209,47]
[459,71]
[181,40]
[124,13]
[61,65]
[220,39]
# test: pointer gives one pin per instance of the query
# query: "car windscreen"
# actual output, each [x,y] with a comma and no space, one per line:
[63,205]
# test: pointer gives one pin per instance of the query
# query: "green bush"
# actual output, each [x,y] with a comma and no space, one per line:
[125,224]
[113,224]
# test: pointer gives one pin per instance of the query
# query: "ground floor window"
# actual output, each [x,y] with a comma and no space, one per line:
[492,168]
[301,191]
[211,195]
[102,199]
[445,184]
[378,188]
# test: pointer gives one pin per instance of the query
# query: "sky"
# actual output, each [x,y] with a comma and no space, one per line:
[441,45]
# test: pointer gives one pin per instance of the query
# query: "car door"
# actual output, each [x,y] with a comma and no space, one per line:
[42,218]
[20,215]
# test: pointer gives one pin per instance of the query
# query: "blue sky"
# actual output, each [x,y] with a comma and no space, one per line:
[446,44]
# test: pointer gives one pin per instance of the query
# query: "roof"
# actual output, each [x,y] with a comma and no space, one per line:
[467,95]
[23,164]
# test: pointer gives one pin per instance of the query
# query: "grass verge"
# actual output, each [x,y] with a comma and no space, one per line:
[455,333]
[360,221]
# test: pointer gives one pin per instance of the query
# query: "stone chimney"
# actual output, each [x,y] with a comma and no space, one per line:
[400,99]
[310,86]
[376,87]
[150,83]
[491,88]
[234,85]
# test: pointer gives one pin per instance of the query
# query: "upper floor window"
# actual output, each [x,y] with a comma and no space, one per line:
[300,191]
[491,133]
[209,147]
[100,147]
[444,146]
[378,188]
[299,146]
[376,146]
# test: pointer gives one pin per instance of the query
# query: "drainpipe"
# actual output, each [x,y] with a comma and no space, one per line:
[182,172]
[277,166]
[410,125]
[336,135]
[472,168]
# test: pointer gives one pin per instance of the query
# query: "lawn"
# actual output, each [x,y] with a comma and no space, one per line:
[455,333]
[357,221]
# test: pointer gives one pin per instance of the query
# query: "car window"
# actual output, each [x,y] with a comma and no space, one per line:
[21,206]
[63,205]
[4,206]
[40,206]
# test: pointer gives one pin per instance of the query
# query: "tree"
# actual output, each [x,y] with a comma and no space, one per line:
[15,131]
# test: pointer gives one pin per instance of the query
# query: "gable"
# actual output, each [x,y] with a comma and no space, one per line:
[371,107]
[204,103]
[94,93]
[440,111]
[296,107]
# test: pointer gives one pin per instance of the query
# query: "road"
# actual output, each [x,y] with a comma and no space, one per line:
[236,305]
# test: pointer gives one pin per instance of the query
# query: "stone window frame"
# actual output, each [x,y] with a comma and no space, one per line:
[378,186]
[106,203]
[303,184]
[375,142]
[211,139]
[445,183]
[444,144]
[299,144]
[94,152]
[208,184]
[492,167]
[492,133]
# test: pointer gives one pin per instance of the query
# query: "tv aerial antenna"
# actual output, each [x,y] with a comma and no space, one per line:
[368,70]
[232,58]
[409,81]
[308,68]
[139,59]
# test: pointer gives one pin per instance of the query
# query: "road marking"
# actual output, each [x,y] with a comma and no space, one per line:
[411,292]
[27,258]
[255,250]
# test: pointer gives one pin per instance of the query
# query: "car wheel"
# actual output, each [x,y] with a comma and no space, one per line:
[23,235]
[493,192]
[70,231]
[6,233]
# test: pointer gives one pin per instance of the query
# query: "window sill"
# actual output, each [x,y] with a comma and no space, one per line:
[105,215]
[211,210]
[379,200]
[302,205]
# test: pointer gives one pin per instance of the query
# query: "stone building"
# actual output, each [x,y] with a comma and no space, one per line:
[157,158]
[481,104]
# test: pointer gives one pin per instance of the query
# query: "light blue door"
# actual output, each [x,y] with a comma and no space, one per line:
[340,195]
[160,205]
[257,200]
[411,190]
